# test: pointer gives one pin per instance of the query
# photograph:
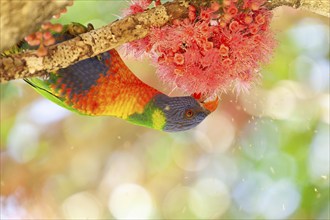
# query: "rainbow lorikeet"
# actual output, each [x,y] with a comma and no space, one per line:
[104,85]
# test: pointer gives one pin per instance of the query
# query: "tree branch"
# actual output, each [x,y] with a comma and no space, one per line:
[321,7]
[90,44]
[130,28]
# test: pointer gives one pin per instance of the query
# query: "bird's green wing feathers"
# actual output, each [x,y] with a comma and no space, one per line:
[43,88]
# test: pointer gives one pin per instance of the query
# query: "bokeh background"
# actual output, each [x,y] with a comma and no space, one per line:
[261,155]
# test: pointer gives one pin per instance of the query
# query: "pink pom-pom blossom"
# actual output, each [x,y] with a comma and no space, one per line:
[211,51]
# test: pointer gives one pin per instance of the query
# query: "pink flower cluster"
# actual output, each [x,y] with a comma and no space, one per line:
[44,37]
[136,6]
[213,50]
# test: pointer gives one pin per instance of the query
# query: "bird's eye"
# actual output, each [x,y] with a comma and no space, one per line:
[189,113]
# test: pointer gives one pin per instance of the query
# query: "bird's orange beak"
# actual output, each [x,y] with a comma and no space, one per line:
[211,105]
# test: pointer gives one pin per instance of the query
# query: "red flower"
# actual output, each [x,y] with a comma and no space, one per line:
[136,7]
[253,4]
[248,19]
[234,26]
[192,12]
[179,59]
[208,45]
[232,10]
[192,15]
[215,6]
[176,22]
[227,62]
[205,15]
[260,19]
[254,28]
[224,50]
[257,38]
[192,8]
[207,54]
[178,72]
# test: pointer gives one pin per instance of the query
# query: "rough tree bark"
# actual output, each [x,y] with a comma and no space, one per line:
[28,64]
[321,7]
[20,18]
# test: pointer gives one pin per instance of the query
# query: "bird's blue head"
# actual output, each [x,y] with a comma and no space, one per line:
[182,113]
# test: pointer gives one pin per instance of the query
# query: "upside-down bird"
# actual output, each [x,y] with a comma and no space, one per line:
[105,86]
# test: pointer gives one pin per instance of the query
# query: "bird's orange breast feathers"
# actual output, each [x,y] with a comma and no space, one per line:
[116,91]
